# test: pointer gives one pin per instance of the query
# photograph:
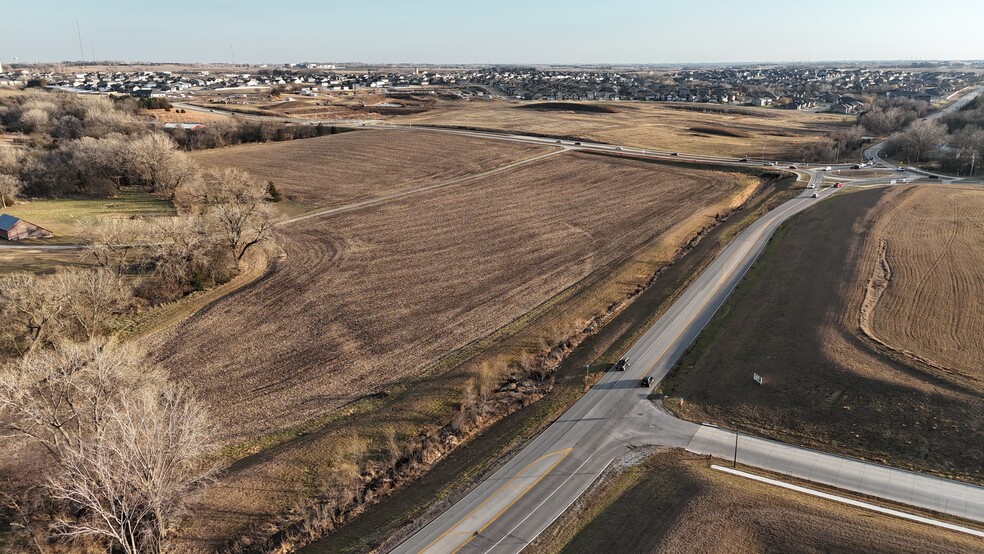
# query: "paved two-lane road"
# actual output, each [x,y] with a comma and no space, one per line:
[507,511]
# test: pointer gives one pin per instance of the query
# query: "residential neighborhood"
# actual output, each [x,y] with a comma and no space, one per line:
[797,87]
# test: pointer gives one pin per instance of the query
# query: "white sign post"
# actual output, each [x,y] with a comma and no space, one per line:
[757,378]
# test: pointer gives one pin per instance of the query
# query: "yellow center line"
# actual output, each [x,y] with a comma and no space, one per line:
[565,451]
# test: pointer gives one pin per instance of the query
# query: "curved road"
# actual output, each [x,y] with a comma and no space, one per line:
[511,508]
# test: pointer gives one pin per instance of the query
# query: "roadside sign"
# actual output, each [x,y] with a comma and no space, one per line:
[757,378]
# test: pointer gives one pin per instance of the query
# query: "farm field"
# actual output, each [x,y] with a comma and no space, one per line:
[729,131]
[864,324]
[674,502]
[378,295]
[338,169]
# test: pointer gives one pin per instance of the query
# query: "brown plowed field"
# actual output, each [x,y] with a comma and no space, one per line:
[674,502]
[934,303]
[797,321]
[348,167]
[369,297]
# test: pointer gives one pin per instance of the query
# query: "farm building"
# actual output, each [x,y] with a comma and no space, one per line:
[15,228]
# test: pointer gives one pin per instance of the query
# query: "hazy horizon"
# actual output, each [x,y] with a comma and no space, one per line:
[438,32]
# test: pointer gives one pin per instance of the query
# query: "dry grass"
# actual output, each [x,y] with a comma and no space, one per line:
[933,303]
[674,502]
[339,169]
[648,125]
[367,298]
[172,116]
[462,283]
[797,321]
[37,260]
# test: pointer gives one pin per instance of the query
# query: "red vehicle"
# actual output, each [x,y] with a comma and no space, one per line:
[839,185]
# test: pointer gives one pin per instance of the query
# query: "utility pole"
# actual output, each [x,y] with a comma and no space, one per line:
[79,31]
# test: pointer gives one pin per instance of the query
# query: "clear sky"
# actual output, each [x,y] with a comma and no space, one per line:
[492,31]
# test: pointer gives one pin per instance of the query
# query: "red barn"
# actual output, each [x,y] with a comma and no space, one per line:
[15,228]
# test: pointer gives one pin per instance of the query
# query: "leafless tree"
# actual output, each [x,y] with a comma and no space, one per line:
[234,203]
[32,308]
[130,480]
[10,159]
[94,296]
[35,120]
[127,446]
[59,396]
[10,188]
[157,162]
[920,137]
[185,247]
[115,243]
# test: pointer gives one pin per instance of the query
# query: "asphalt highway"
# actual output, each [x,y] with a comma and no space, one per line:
[508,510]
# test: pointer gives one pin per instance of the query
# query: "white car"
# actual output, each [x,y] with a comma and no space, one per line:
[828,168]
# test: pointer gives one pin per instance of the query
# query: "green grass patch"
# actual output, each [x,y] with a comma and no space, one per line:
[62,216]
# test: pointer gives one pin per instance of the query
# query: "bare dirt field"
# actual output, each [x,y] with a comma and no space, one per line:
[349,167]
[867,358]
[366,298]
[933,301]
[707,129]
[674,502]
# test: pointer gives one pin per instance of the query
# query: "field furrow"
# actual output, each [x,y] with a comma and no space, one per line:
[369,297]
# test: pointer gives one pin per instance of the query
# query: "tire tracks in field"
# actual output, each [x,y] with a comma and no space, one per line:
[878,283]
[403,194]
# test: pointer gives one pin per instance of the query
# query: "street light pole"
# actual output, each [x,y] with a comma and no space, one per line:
[735,465]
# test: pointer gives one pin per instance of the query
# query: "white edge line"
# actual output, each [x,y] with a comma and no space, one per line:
[569,477]
[852,502]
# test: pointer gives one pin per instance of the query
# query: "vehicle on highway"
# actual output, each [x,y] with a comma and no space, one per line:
[743,160]
[932,176]
[622,364]
[647,381]
[816,195]
[838,185]
[857,166]
[900,169]
[826,168]
[811,186]
[793,167]
[558,142]
[618,148]
[674,154]
[577,144]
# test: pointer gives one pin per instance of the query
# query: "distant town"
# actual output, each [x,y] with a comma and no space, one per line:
[801,87]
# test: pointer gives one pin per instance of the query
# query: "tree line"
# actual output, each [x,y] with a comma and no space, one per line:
[114,447]
[97,146]
[953,143]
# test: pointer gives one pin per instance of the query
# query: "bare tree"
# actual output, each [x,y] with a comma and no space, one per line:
[130,481]
[35,120]
[234,203]
[158,163]
[10,159]
[32,307]
[127,446]
[920,137]
[115,243]
[10,188]
[59,397]
[94,296]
